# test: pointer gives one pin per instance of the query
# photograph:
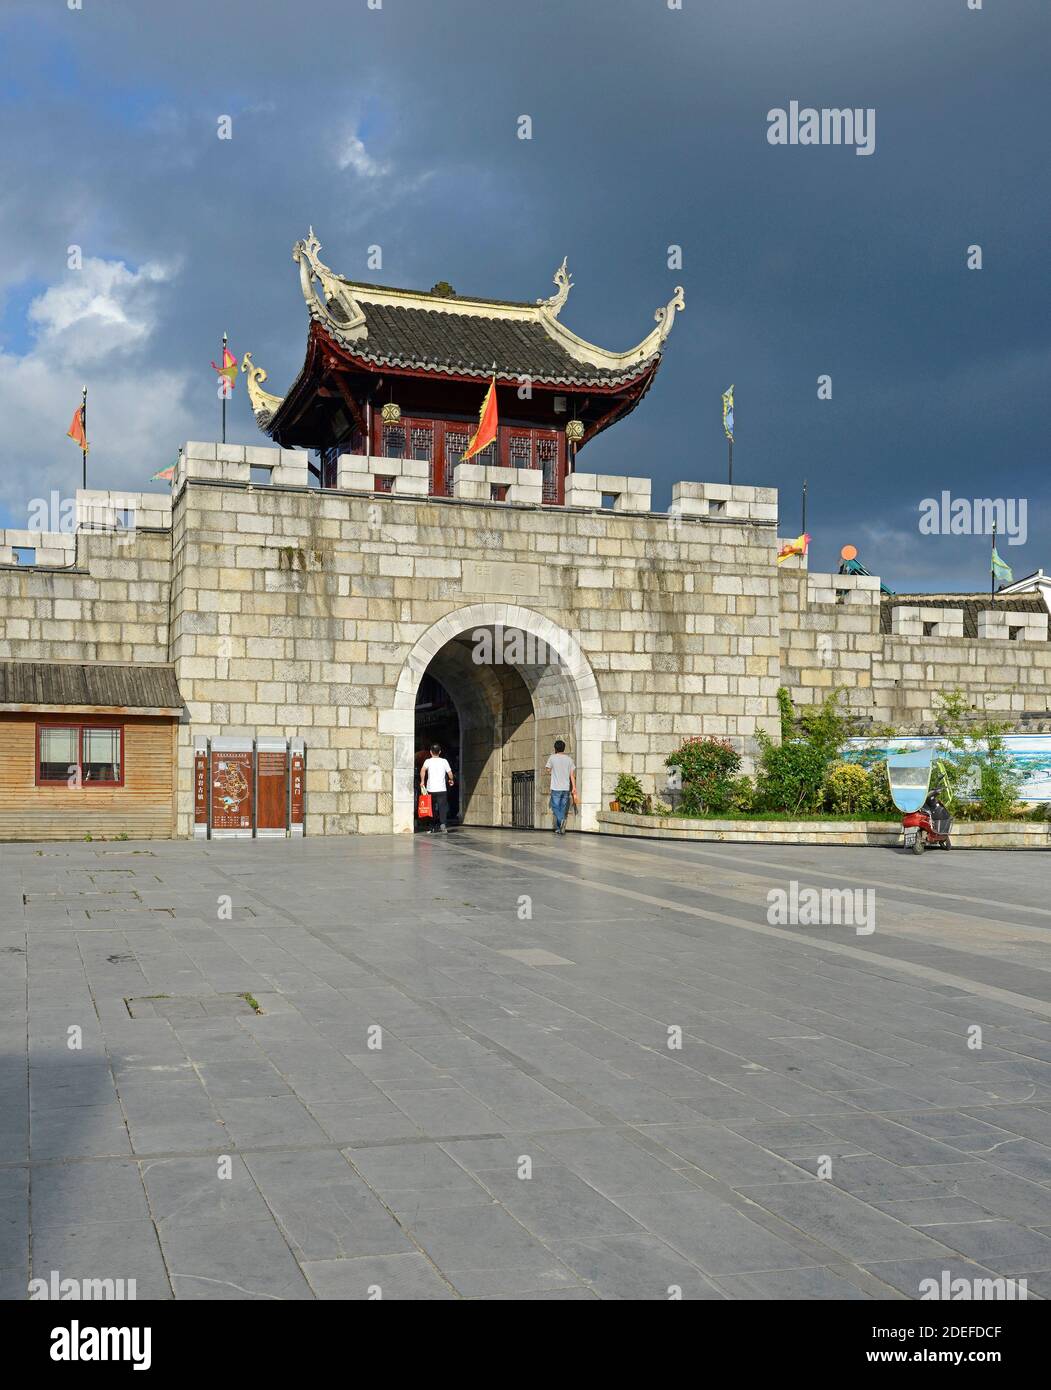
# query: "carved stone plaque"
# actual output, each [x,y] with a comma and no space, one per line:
[497,577]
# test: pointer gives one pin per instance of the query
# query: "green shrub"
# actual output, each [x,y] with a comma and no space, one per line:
[853,790]
[693,801]
[708,767]
[790,775]
[986,775]
[629,793]
[848,789]
[742,794]
[879,789]
[998,780]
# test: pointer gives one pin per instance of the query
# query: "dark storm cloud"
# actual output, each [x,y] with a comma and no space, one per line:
[397,127]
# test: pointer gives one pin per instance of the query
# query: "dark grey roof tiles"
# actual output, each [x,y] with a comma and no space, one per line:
[472,343]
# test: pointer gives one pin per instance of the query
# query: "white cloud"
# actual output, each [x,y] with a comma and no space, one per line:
[83,327]
[354,155]
[100,309]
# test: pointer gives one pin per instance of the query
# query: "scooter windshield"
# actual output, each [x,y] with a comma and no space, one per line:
[909,775]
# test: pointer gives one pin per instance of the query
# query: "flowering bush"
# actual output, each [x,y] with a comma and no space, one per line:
[708,767]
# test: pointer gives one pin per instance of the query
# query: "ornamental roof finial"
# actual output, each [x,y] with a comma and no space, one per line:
[563,284]
[665,315]
[336,304]
[264,405]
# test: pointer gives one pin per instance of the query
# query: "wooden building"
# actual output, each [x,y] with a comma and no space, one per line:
[87,750]
[400,373]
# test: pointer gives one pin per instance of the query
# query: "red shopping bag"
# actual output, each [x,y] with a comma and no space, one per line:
[423,806]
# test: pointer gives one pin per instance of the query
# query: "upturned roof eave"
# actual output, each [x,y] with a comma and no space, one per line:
[339,309]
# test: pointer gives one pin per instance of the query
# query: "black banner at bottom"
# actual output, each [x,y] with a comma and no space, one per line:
[782,1335]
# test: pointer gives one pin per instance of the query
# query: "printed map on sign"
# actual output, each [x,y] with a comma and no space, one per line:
[232,791]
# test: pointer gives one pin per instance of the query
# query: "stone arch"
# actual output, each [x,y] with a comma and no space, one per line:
[575,676]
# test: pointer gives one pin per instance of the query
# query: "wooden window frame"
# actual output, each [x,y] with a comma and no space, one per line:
[80,725]
[441,464]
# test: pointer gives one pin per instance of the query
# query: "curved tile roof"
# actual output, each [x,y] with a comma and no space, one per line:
[474,344]
[462,335]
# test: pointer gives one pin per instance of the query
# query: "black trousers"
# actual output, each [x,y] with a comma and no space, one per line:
[440,808]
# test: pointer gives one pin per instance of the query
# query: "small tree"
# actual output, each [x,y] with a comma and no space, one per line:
[827,727]
[988,772]
[791,775]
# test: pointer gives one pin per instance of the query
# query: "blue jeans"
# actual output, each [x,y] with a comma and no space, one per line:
[560,806]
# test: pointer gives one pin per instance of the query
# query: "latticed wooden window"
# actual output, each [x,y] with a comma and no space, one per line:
[520,451]
[329,467]
[383,483]
[421,442]
[547,459]
[456,441]
[393,441]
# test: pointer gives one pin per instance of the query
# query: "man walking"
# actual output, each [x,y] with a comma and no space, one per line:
[436,777]
[562,770]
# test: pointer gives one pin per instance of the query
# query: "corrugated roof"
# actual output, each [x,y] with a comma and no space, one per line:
[972,605]
[49,683]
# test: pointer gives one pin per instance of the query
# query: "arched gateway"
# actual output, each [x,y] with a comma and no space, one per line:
[516,681]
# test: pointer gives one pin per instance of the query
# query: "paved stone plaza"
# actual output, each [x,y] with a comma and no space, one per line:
[353,1167]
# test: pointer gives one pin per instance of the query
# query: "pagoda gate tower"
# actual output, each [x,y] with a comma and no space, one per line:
[400,374]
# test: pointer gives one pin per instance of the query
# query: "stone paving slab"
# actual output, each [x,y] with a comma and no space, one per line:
[637,1089]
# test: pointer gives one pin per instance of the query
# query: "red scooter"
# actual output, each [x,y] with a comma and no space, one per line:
[930,825]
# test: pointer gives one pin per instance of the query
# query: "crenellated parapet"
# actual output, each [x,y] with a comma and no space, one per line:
[240,463]
[42,549]
[724,502]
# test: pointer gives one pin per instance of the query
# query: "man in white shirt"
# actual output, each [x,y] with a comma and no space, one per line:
[562,770]
[436,777]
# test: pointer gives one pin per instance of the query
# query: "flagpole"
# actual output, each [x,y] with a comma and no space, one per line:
[730,462]
[992,567]
[803,529]
[84,428]
[225,385]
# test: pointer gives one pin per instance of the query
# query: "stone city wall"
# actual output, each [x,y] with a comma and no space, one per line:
[295,612]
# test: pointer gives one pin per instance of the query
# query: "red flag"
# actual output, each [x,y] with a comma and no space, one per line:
[76,430]
[487,425]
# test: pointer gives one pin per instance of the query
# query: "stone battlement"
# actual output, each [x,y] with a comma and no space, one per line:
[289,611]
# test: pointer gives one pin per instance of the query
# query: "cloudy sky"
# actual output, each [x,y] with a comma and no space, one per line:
[394,123]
